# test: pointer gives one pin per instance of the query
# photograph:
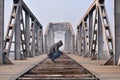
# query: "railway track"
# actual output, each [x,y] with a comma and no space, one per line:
[63,69]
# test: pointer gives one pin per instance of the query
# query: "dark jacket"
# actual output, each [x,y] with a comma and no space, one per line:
[54,48]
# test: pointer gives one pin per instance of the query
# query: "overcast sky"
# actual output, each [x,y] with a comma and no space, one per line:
[58,10]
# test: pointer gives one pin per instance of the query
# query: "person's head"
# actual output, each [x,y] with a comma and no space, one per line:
[60,43]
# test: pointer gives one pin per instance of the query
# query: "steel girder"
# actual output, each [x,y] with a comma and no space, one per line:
[25,30]
[62,28]
[117,31]
[1,30]
[94,33]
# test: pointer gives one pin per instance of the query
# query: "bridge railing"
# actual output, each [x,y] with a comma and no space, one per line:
[93,32]
[25,32]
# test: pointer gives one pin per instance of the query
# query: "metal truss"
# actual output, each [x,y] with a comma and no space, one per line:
[1,30]
[25,30]
[117,31]
[62,28]
[92,29]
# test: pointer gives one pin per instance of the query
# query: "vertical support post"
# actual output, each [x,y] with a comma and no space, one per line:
[117,30]
[1,30]
[76,47]
[73,43]
[78,42]
[90,29]
[33,39]
[45,44]
[86,37]
[41,41]
[38,40]
[84,43]
[68,41]
[51,36]
[100,37]
[17,35]
[27,33]
[84,40]
[81,35]
[81,41]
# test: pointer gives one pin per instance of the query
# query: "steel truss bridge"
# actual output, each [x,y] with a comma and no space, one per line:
[93,39]
[25,32]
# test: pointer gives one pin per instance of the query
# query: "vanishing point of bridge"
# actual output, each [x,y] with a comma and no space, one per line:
[93,40]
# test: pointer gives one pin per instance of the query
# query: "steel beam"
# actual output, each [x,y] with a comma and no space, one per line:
[90,29]
[92,8]
[51,36]
[100,37]
[36,40]
[25,8]
[85,36]
[40,42]
[27,33]
[45,44]
[78,42]
[81,40]
[72,38]
[117,30]
[46,39]
[33,39]
[73,43]
[1,30]
[67,41]
[17,35]
[84,42]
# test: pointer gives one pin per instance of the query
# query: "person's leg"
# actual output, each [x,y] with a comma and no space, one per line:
[51,56]
[52,59]
[60,52]
[56,55]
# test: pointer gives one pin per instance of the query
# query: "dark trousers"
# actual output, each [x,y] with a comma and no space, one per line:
[55,55]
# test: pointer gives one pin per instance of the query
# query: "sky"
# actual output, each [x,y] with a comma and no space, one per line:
[58,10]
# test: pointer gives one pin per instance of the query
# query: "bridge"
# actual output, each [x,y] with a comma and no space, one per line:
[91,52]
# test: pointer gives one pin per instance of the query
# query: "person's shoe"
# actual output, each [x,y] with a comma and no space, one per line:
[53,60]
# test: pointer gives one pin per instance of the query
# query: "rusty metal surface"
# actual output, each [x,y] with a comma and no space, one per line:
[63,68]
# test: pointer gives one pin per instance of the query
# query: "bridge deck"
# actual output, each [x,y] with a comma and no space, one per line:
[94,66]
[11,72]
[64,68]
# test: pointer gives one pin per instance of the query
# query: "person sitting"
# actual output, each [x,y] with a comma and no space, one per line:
[54,51]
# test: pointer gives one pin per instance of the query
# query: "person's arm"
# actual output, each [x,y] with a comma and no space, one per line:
[56,48]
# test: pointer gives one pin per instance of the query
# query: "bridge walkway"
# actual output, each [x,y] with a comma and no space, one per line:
[11,72]
[107,72]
